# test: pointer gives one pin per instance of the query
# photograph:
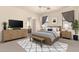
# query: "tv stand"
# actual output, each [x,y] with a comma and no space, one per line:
[14,34]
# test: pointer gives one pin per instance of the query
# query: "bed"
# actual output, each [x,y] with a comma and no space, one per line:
[49,36]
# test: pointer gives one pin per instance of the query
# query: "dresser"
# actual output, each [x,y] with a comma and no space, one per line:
[14,34]
[66,34]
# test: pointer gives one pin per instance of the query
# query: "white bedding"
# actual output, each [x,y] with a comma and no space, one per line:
[51,34]
[55,29]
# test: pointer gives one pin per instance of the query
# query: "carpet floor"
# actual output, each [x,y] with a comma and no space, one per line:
[31,46]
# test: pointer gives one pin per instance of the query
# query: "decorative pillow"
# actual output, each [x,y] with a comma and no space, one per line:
[55,29]
[49,29]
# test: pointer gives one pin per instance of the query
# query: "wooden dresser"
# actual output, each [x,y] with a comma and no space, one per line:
[66,34]
[13,34]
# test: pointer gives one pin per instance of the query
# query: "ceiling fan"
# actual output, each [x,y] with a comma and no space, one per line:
[44,7]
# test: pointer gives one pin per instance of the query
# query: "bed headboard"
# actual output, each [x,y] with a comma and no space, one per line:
[51,28]
[55,28]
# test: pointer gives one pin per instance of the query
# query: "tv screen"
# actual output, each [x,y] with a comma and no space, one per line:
[15,24]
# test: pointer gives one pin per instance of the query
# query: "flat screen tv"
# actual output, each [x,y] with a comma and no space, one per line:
[15,24]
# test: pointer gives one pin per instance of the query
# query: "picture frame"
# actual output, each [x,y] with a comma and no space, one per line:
[54,20]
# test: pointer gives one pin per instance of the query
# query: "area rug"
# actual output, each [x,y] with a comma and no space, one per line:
[31,46]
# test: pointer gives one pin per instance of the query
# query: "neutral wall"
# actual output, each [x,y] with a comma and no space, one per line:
[16,13]
[58,14]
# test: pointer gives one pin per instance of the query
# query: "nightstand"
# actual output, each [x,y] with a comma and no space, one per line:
[66,34]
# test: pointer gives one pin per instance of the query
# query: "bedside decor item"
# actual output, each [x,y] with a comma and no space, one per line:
[4,25]
[75,26]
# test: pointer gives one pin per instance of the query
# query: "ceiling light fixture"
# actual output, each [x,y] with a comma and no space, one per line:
[44,7]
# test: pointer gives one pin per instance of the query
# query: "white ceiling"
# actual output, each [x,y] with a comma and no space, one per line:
[38,10]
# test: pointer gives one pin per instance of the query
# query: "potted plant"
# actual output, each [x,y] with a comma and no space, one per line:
[75,26]
[4,25]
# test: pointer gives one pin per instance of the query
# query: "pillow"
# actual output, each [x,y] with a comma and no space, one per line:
[55,29]
[49,29]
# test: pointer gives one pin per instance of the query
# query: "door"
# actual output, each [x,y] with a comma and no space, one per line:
[33,25]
